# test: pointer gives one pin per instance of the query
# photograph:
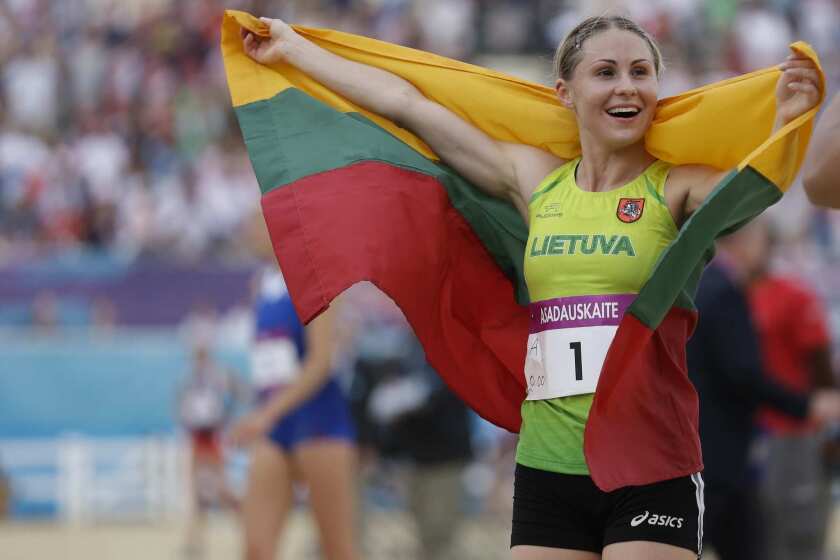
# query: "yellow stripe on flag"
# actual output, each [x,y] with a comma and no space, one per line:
[723,125]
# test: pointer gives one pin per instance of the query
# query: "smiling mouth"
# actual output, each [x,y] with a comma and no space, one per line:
[623,113]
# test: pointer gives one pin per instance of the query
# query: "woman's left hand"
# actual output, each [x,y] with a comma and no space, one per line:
[798,89]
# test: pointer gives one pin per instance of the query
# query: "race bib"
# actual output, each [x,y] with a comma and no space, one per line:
[274,361]
[568,342]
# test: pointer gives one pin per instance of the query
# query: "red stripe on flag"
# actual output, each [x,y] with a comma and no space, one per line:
[396,228]
[643,425]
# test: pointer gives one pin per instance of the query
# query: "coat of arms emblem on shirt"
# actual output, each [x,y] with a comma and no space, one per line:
[630,209]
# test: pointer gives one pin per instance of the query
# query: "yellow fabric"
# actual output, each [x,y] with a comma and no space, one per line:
[723,125]
[551,436]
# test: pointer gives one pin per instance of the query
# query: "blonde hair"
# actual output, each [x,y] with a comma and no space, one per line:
[569,52]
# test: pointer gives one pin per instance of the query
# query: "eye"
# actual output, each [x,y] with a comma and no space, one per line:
[606,72]
[640,71]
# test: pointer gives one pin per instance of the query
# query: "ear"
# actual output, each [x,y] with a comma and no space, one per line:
[564,94]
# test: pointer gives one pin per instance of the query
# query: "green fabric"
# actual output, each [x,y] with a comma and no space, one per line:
[292,136]
[739,197]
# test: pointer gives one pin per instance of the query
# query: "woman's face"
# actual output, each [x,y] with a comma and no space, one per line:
[614,88]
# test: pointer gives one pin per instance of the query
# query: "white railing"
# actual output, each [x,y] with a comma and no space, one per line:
[86,479]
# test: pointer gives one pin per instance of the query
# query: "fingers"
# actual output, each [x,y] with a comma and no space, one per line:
[797,60]
[797,63]
[251,43]
[270,22]
[801,79]
[801,76]
[273,25]
[803,73]
[804,87]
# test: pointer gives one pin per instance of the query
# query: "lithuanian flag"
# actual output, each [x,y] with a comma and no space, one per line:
[350,196]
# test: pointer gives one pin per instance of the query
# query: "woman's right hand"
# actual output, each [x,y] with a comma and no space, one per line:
[268,50]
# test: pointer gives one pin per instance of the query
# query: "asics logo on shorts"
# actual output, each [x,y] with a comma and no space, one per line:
[657,520]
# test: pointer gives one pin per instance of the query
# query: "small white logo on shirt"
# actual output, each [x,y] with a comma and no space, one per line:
[657,520]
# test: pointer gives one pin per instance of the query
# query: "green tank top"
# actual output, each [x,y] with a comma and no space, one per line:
[588,254]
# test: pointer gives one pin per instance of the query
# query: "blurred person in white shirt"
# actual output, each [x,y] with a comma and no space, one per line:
[30,80]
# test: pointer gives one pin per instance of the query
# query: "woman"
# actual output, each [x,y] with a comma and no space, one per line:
[597,226]
[302,428]
[204,405]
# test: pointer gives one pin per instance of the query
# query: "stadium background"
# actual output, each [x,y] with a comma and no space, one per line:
[125,200]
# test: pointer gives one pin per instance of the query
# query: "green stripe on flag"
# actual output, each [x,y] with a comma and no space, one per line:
[740,196]
[292,136]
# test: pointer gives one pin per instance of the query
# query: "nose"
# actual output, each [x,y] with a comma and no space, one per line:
[625,86]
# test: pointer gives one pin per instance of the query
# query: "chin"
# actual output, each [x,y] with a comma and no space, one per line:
[624,139]
[621,135]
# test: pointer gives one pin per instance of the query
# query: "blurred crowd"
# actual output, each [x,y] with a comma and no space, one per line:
[115,127]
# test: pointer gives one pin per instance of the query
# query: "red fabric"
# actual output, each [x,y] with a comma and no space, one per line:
[792,324]
[396,228]
[644,425]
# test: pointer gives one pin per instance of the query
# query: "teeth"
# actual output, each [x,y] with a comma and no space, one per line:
[623,111]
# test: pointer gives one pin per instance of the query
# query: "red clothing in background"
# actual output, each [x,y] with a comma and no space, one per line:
[791,323]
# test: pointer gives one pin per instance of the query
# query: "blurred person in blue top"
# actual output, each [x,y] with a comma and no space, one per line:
[301,430]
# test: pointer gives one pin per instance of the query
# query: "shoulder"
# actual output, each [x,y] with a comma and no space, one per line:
[688,186]
[532,165]
[684,176]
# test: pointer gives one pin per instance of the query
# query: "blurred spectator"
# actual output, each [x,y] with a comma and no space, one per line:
[45,315]
[103,315]
[200,327]
[31,84]
[725,365]
[406,414]
[796,346]
[760,37]
[204,405]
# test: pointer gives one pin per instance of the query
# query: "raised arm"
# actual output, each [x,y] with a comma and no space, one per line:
[504,170]
[821,173]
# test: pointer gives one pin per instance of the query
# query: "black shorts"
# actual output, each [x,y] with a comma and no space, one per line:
[569,511]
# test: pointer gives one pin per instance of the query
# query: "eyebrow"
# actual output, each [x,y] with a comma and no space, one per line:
[611,61]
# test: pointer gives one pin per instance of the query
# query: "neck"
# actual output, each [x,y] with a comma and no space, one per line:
[605,169]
